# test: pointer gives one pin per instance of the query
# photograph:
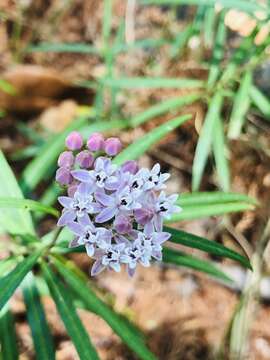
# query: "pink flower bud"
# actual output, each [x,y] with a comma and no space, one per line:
[130,166]
[122,224]
[63,176]
[74,141]
[66,159]
[95,142]
[112,146]
[72,189]
[85,159]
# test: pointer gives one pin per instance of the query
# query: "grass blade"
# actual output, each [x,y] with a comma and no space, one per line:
[140,146]
[260,101]
[8,338]
[63,48]
[10,282]
[42,338]
[13,220]
[244,5]
[181,40]
[205,140]
[219,150]
[240,106]
[163,107]
[218,51]
[26,204]
[96,305]
[211,247]
[181,259]
[213,197]
[69,316]
[201,211]
[209,26]
[151,83]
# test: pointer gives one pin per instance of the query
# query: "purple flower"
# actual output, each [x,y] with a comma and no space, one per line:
[85,159]
[120,201]
[90,236]
[112,146]
[109,259]
[130,166]
[122,224]
[63,176]
[103,175]
[74,141]
[153,179]
[78,206]
[66,159]
[95,142]
[117,213]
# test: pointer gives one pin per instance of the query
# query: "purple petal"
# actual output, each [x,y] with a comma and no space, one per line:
[81,175]
[66,218]
[73,243]
[97,268]
[85,221]
[106,214]
[158,222]
[131,271]
[85,189]
[65,201]
[115,266]
[76,228]
[157,255]
[104,199]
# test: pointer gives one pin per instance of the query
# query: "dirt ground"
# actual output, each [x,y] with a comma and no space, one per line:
[184,314]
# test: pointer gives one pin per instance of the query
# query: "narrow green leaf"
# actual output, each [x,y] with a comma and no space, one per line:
[8,338]
[43,341]
[181,259]
[219,150]
[205,140]
[240,106]
[260,101]
[140,146]
[218,51]
[201,211]
[139,44]
[245,5]
[26,204]
[209,26]
[213,197]
[10,282]
[96,305]
[106,24]
[151,83]
[211,247]
[13,220]
[181,40]
[69,316]
[163,107]
[63,48]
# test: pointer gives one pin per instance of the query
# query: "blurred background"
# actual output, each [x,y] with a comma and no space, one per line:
[61,59]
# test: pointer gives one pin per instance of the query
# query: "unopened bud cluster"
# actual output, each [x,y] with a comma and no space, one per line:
[116,212]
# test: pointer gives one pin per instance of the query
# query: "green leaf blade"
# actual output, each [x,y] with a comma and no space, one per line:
[139,147]
[211,247]
[8,338]
[26,204]
[205,140]
[42,338]
[127,334]
[10,282]
[181,259]
[69,316]
[14,221]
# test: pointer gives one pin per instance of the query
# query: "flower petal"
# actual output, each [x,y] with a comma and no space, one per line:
[104,199]
[66,218]
[81,175]
[97,268]
[106,215]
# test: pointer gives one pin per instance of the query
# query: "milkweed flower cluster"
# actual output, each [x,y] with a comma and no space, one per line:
[116,212]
